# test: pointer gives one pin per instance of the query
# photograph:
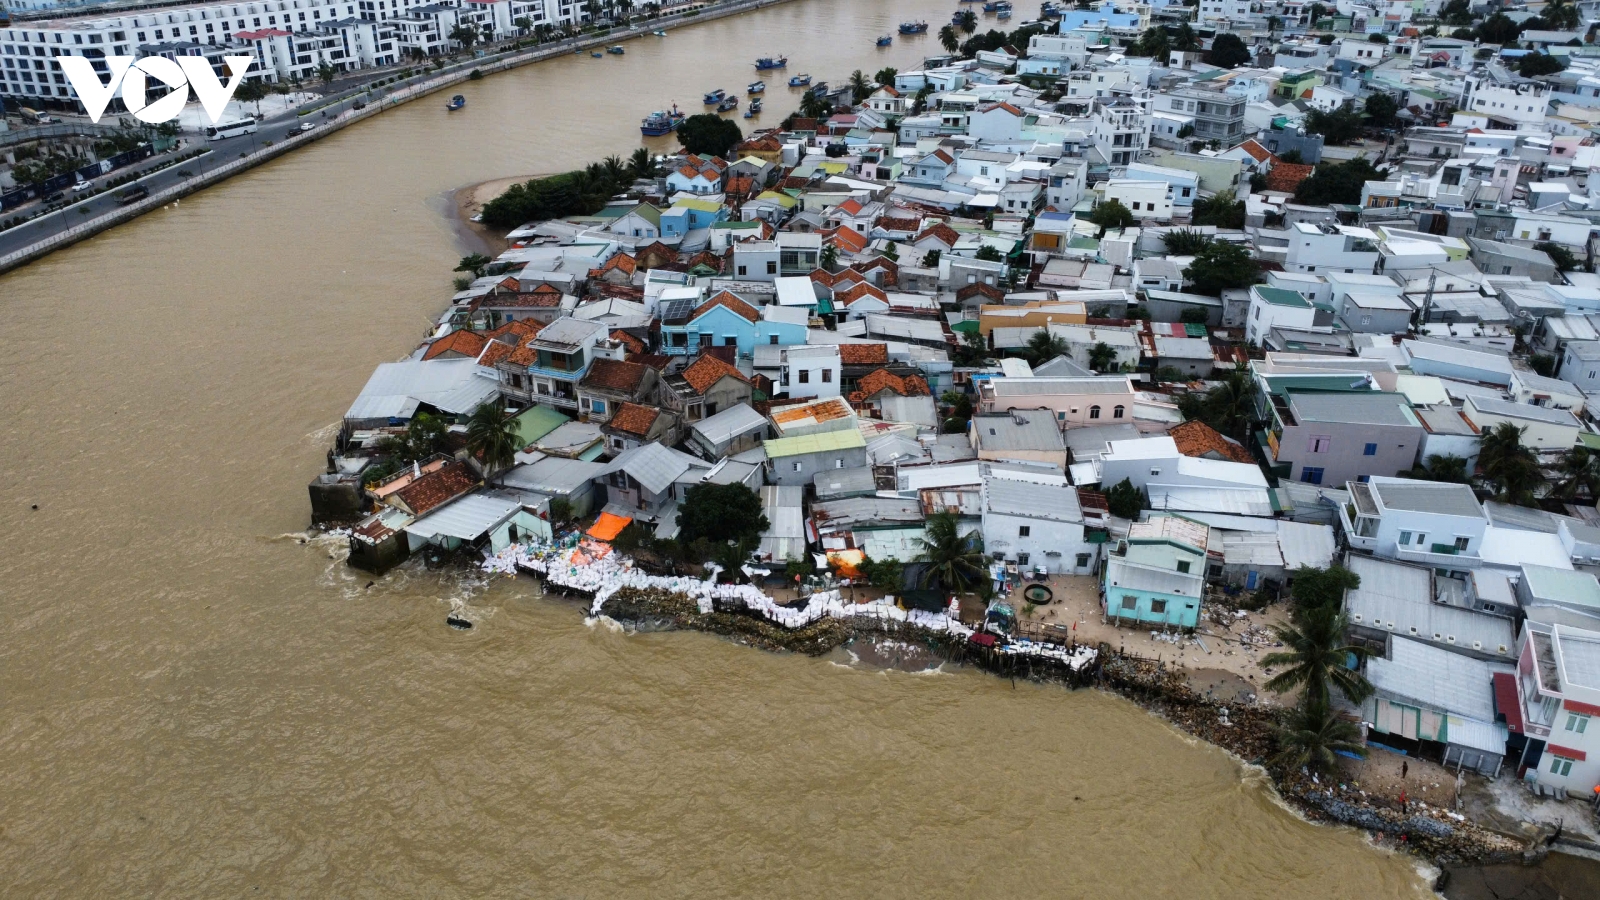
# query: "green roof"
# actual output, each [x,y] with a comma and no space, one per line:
[535,422]
[1195,330]
[1083,242]
[649,214]
[822,442]
[738,224]
[1282,297]
[693,203]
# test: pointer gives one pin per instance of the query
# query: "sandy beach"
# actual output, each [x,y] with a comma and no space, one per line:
[469,201]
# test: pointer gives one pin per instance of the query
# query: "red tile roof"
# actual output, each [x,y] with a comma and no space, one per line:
[724,298]
[707,371]
[883,380]
[850,239]
[1286,177]
[822,276]
[514,329]
[940,232]
[466,343]
[494,352]
[1256,151]
[621,262]
[634,419]
[1196,438]
[634,345]
[438,488]
[863,354]
[614,375]
[856,292]
[849,207]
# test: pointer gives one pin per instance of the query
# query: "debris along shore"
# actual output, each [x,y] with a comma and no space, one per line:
[615,588]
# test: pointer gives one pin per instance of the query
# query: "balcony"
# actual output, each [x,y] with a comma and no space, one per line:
[1439,556]
[1359,531]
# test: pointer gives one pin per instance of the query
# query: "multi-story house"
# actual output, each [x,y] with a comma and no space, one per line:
[1551,705]
[1145,199]
[1337,248]
[1431,523]
[1275,307]
[1509,102]
[1091,400]
[1157,575]
[1036,526]
[708,386]
[1331,437]
[560,357]
[1122,129]
[612,382]
[1218,115]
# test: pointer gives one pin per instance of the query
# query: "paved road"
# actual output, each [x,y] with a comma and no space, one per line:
[46,226]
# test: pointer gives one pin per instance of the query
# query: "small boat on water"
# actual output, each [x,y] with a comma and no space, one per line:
[995,6]
[615,49]
[661,122]
[772,62]
[659,33]
[1003,14]
[799,80]
[754,110]
[886,40]
[712,98]
[756,87]
[918,27]
[597,54]
[456,103]
[728,104]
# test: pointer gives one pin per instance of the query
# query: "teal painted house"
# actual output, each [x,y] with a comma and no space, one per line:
[727,321]
[1156,577]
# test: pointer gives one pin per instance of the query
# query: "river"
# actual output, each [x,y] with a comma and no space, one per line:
[198,702]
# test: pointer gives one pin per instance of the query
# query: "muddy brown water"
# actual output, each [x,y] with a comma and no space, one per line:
[197,703]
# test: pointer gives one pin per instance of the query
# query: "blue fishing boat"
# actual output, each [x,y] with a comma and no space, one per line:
[754,110]
[661,122]
[728,104]
[456,103]
[995,6]
[771,62]
[715,97]
[1003,14]
[799,80]
[615,50]
[659,33]
[756,87]
[918,27]
[597,54]
[886,40]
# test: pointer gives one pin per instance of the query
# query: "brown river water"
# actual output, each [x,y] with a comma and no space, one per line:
[196,702]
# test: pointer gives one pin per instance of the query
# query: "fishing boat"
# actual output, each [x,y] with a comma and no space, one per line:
[456,103]
[714,97]
[995,6]
[770,62]
[661,122]
[818,89]
[756,87]
[886,40]
[728,104]
[659,33]
[1003,14]
[918,27]
[755,105]
[799,80]
[597,54]
[615,49]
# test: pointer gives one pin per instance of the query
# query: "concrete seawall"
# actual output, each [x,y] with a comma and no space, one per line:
[455,74]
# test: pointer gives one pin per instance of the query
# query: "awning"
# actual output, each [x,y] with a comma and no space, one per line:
[1506,702]
[1575,706]
[1567,752]
[608,526]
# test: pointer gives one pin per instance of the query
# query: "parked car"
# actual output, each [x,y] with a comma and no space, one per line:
[307,126]
[82,186]
[135,193]
[359,104]
[57,197]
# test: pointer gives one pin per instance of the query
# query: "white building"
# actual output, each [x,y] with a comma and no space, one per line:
[1146,199]
[810,371]
[1036,525]
[1339,248]
[1415,521]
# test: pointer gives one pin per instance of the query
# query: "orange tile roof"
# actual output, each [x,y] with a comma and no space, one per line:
[707,371]
[706,258]
[466,343]
[944,233]
[822,276]
[524,355]
[822,411]
[1286,177]
[634,419]
[863,354]
[614,375]
[849,238]
[633,344]
[1256,151]
[494,352]
[620,261]
[884,380]
[1196,438]
[849,207]
[437,488]
[724,298]
[856,292]
[512,330]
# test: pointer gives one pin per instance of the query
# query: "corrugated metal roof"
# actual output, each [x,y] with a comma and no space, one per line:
[467,518]
[1054,503]
[654,466]
[1305,544]
[396,389]
[1437,679]
[1398,598]
[1123,574]
[1352,407]
[838,483]
[730,423]
[785,537]
[1546,414]
[821,442]
[1562,586]
[1185,498]
[1019,430]
[1099,384]
[1427,496]
[552,475]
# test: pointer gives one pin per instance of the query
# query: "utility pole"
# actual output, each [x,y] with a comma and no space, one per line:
[1427,299]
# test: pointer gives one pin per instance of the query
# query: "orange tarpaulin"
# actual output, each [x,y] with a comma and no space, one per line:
[608,526]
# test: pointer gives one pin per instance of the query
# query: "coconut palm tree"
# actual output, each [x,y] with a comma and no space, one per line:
[947,37]
[955,560]
[1044,346]
[1315,652]
[642,164]
[1509,467]
[1448,467]
[1311,735]
[616,170]
[968,21]
[1102,357]
[492,437]
[860,86]
[1577,473]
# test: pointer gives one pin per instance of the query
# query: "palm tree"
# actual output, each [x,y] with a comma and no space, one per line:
[1315,653]
[886,75]
[1044,346]
[968,21]
[616,170]
[1311,735]
[860,87]
[1102,357]
[492,436]
[955,560]
[523,23]
[642,164]
[1508,466]
[1577,473]
[947,37]
[1449,467]
[475,263]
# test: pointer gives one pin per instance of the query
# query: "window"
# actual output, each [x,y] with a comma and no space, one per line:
[1155,472]
[1311,474]
[797,467]
[1463,542]
[1129,601]
[1421,539]
[1094,412]
[1319,443]
[772,267]
[1022,559]
[1158,606]
[742,271]
[1183,566]
[838,462]
[827,376]
[1369,450]
[1560,765]
[1083,560]
[1116,412]
[772,339]
[599,406]
[1577,722]
[1024,530]
[1405,538]
[805,376]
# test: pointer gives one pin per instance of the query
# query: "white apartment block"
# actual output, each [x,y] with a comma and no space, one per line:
[1520,106]
[1222,12]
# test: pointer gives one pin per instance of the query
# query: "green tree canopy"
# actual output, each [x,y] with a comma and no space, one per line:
[1340,126]
[1535,64]
[708,134]
[1184,242]
[1220,266]
[721,513]
[954,560]
[1562,257]
[1508,467]
[1112,214]
[1311,737]
[1498,29]
[1381,109]
[1225,210]
[1043,347]
[1125,500]
[1337,183]
[1313,656]
[1228,51]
